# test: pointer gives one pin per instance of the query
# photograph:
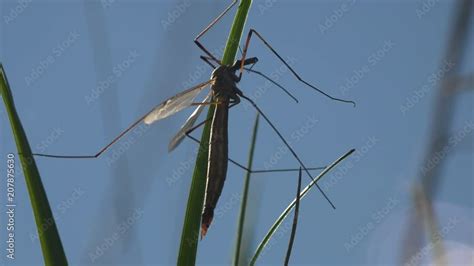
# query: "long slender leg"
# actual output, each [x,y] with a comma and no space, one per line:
[249,69]
[133,125]
[288,146]
[208,61]
[252,63]
[239,165]
[272,81]
[106,147]
[249,36]
[189,131]
[188,134]
[249,61]
[204,103]
[196,40]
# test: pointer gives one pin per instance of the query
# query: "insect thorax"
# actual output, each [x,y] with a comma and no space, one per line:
[225,80]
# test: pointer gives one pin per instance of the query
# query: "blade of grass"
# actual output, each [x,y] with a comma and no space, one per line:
[295,221]
[192,219]
[243,207]
[53,252]
[285,213]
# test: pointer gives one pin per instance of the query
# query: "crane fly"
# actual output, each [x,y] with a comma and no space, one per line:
[224,94]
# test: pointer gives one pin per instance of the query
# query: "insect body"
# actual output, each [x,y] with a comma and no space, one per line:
[224,91]
[223,94]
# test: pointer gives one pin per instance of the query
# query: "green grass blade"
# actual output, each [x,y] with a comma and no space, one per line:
[192,219]
[191,227]
[53,252]
[243,207]
[295,221]
[236,32]
[285,213]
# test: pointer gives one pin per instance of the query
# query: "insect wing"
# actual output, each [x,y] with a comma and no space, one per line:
[175,103]
[187,125]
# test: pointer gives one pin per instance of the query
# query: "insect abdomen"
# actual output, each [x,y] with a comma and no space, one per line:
[217,161]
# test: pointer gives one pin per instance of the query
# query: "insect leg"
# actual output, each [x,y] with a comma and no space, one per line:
[188,134]
[272,81]
[252,61]
[249,61]
[249,36]
[208,61]
[205,103]
[133,125]
[288,146]
[128,129]
[196,40]
[241,166]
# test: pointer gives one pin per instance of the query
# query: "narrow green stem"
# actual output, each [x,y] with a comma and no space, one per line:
[191,227]
[285,213]
[243,207]
[53,252]
[236,32]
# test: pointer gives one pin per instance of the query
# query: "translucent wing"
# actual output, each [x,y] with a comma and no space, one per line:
[175,103]
[187,125]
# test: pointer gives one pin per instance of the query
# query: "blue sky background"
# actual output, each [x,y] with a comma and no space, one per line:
[59,57]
